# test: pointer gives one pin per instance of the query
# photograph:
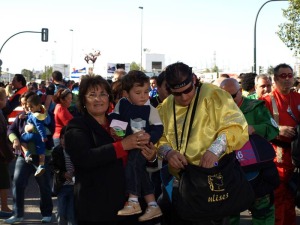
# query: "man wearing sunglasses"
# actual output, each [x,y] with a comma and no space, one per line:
[202,137]
[285,104]
[263,179]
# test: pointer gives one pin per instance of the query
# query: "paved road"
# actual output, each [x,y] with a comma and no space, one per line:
[32,211]
[33,216]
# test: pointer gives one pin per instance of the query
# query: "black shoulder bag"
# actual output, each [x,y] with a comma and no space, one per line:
[295,144]
[217,192]
[295,153]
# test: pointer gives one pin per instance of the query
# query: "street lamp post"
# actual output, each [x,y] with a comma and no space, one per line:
[254,64]
[72,46]
[141,8]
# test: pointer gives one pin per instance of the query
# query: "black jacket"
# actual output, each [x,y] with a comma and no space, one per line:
[99,179]
[58,167]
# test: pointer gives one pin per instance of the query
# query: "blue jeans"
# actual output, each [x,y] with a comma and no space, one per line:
[137,178]
[37,139]
[65,206]
[56,142]
[22,173]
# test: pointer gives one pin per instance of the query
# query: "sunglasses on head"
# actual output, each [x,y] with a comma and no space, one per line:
[285,75]
[186,91]
[234,95]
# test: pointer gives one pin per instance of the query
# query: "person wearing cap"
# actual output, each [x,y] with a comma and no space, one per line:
[218,126]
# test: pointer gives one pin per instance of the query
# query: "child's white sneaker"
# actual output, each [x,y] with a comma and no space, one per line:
[40,171]
[130,208]
[151,212]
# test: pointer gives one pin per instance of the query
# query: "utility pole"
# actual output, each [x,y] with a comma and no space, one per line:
[141,8]
[254,64]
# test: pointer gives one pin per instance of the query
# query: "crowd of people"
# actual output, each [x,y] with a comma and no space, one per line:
[62,133]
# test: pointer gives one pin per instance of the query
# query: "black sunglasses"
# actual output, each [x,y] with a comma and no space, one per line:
[186,91]
[234,95]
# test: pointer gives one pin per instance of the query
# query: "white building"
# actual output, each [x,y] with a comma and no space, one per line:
[155,62]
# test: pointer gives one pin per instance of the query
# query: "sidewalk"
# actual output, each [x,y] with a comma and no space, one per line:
[33,216]
[32,201]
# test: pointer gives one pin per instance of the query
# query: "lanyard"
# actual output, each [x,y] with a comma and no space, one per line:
[175,126]
[191,121]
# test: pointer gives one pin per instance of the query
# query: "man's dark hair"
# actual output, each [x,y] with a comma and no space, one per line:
[21,78]
[282,65]
[57,76]
[248,81]
[177,73]
[160,79]
[153,78]
[133,77]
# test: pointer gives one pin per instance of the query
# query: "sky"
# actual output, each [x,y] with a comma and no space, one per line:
[196,32]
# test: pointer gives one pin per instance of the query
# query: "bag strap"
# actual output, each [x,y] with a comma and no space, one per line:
[275,109]
[290,112]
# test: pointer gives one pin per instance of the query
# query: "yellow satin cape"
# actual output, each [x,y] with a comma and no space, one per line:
[216,114]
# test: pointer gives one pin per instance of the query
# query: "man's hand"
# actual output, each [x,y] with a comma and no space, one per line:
[68,176]
[287,131]
[209,160]
[251,129]
[176,160]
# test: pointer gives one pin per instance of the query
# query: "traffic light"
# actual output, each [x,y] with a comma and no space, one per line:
[44,34]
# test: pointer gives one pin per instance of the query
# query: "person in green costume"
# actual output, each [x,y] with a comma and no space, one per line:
[265,180]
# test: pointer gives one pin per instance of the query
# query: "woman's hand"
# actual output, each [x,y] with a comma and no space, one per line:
[136,140]
[16,144]
[149,151]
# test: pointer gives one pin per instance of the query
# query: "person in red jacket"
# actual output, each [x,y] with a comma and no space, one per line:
[62,116]
[13,107]
[285,104]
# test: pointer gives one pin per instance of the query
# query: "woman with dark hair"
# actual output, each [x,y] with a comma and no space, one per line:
[63,99]
[23,170]
[6,156]
[99,159]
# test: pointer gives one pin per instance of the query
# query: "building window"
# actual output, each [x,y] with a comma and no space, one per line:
[157,65]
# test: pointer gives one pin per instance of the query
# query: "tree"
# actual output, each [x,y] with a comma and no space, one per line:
[134,66]
[27,74]
[215,69]
[270,70]
[47,73]
[289,31]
